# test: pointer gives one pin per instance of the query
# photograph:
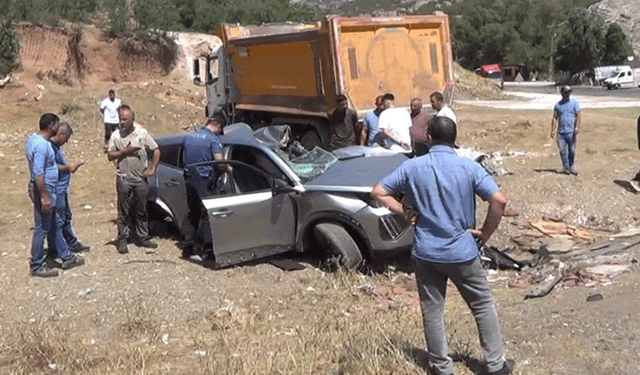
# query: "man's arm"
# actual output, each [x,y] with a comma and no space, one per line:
[364,134]
[222,167]
[497,203]
[554,124]
[45,199]
[69,167]
[389,201]
[578,121]
[389,135]
[119,154]
[154,164]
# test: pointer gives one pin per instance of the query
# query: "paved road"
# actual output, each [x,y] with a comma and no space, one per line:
[543,96]
[550,88]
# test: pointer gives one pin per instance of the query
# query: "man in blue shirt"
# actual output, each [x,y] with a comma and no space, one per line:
[42,191]
[566,122]
[370,124]
[441,187]
[63,209]
[202,146]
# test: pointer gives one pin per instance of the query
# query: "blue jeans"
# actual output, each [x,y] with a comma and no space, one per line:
[567,145]
[63,223]
[45,223]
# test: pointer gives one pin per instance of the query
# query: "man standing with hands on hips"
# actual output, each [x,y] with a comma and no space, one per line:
[441,188]
[565,126]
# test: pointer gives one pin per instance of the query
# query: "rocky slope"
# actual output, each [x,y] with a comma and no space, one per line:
[627,14]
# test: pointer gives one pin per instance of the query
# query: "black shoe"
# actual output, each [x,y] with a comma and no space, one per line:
[507,368]
[74,261]
[148,244]
[187,251]
[80,247]
[122,247]
[44,271]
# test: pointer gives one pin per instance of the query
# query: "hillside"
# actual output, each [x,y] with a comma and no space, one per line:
[625,13]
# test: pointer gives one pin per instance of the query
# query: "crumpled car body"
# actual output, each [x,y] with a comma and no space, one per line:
[265,207]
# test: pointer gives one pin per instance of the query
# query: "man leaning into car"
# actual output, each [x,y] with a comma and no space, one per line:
[201,146]
[129,147]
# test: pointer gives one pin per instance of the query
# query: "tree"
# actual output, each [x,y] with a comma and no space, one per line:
[581,44]
[9,49]
[617,47]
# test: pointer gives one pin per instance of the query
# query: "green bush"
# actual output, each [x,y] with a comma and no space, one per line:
[9,49]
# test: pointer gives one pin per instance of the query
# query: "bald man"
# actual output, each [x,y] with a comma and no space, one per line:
[128,147]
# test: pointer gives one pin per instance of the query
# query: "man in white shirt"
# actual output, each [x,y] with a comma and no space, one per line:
[395,124]
[437,103]
[109,109]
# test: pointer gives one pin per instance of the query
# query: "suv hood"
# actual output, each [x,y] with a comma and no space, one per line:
[358,174]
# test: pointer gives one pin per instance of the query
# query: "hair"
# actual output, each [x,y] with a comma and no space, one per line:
[125,107]
[416,100]
[217,119]
[388,96]
[112,91]
[65,129]
[341,98]
[443,131]
[437,95]
[48,120]
[379,98]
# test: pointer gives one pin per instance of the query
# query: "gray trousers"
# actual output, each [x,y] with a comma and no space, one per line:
[471,280]
[132,209]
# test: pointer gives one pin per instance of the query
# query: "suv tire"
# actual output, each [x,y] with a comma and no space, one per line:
[335,240]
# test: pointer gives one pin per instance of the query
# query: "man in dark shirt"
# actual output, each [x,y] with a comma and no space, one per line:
[420,119]
[343,122]
[204,145]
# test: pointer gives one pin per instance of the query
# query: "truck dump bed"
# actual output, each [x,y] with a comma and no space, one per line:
[300,69]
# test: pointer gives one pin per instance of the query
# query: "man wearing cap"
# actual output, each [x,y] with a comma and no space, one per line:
[565,127]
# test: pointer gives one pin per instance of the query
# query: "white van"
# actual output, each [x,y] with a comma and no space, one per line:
[625,77]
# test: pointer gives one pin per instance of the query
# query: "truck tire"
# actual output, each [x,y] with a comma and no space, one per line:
[336,241]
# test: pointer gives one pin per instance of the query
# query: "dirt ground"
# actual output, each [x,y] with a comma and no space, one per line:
[151,312]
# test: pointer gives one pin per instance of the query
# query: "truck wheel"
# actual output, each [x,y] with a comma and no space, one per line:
[310,140]
[336,241]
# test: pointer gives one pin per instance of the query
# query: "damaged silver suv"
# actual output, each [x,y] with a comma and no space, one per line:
[275,202]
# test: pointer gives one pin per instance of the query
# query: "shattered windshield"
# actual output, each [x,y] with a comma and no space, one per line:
[310,164]
[306,164]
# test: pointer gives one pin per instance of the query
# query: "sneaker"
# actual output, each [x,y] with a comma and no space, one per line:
[563,171]
[507,368]
[574,172]
[122,247]
[148,244]
[635,185]
[44,271]
[80,247]
[74,261]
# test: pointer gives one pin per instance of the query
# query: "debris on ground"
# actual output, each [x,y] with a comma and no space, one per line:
[562,254]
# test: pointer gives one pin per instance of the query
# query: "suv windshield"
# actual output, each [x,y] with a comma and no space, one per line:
[310,164]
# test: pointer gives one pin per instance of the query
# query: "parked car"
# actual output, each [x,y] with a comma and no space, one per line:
[273,203]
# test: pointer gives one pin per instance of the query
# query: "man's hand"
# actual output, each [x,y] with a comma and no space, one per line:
[406,146]
[553,134]
[148,172]
[477,233]
[577,131]
[411,216]
[73,167]
[45,200]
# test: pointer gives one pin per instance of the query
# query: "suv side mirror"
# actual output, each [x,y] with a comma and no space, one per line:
[280,187]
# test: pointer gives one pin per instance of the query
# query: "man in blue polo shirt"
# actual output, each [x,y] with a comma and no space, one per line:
[204,145]
[42,191]
[63,209]
[441,188]
[370,131]
[566,122]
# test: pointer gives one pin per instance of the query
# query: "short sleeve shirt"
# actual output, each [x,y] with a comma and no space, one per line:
[398,122]
[446,111]
[567,112]
[420,125]
[64,178]
[371,121]
[199,147]
[132,166]
[42,161]
[110,109]
[343,125]
[442,186]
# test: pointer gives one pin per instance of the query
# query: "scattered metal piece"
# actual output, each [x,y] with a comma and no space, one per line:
[544,287]
[594,297]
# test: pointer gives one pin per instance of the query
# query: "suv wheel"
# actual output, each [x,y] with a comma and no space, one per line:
[336,241]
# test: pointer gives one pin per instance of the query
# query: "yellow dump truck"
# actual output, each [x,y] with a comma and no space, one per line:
[292,73]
